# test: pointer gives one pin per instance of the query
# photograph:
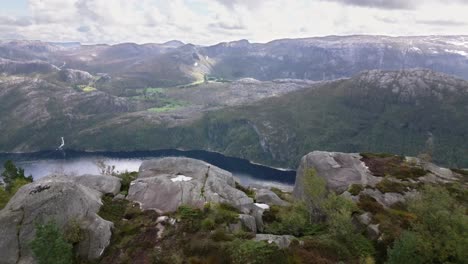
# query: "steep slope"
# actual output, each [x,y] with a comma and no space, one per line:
[405,112]
[35,113]
[378,111]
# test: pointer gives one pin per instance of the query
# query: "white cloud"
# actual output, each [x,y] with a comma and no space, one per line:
[212,21]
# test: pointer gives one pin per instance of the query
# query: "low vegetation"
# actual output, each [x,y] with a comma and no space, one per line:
[13,178]
[382,165]
[429,228]
[167,105]
[49,245]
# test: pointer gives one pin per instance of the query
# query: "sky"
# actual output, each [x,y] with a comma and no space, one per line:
[207,22]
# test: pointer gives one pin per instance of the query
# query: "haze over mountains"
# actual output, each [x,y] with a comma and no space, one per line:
[271,102]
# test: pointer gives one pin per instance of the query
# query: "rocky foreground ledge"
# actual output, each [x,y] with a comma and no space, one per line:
[162,186]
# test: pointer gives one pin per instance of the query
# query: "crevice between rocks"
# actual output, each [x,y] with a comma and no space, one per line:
[202,191]
[18,232]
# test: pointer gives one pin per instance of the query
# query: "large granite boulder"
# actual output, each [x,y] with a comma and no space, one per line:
[266,196]
[59,199]
[165,184]
[340,170]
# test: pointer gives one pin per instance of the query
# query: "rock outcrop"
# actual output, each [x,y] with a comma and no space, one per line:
[59,199]
[165,184]
[281,241]
[266,196]
[75,76]
[340,170]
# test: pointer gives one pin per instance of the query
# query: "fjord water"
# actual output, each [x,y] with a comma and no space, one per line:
[40,164]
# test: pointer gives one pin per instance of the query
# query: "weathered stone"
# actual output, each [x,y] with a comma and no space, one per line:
[373,231]
[340,170]
[165,184]
[119,197]
[257,213]
[59,199]
[235,227]
[249,222]
[281,241]
[365,218]
[385,199]
[268,197]
[105,184]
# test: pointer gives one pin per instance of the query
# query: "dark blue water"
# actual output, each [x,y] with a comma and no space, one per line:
[40,164]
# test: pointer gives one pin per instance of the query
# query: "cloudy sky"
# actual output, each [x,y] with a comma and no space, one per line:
[212,21]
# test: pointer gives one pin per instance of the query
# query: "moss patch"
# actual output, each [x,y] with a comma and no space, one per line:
[355,189]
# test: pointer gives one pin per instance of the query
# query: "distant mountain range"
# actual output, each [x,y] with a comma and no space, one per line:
[271,102]
[321,58]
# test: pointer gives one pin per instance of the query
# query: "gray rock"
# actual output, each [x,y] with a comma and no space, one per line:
[268,197]
[281,241]
[249,222]
[349,196]
[365,218]
[385,199]
[340,170]
[234,228]
[373,231]
[257,213]
[105,184]
[165,184]
[57,199]
[119,197]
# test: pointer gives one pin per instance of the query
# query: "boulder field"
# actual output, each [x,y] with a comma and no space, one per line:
[165,184]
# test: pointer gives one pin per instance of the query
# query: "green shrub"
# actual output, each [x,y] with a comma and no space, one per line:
[405,250]
[49,246]
[220,235]
[355,189]
[112,210]
[386,186]
[225,214]
[370,155]
[127,178]
[407,172]
[11,173]
[5,195]
[293,220]
[249,191]
[255,252]
[73,233]
[13,179]
[208,224]
[190,218]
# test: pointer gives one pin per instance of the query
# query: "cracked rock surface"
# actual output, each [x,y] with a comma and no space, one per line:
[159,186]
[60,199]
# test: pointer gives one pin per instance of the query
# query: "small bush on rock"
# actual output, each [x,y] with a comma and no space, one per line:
[50,247]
